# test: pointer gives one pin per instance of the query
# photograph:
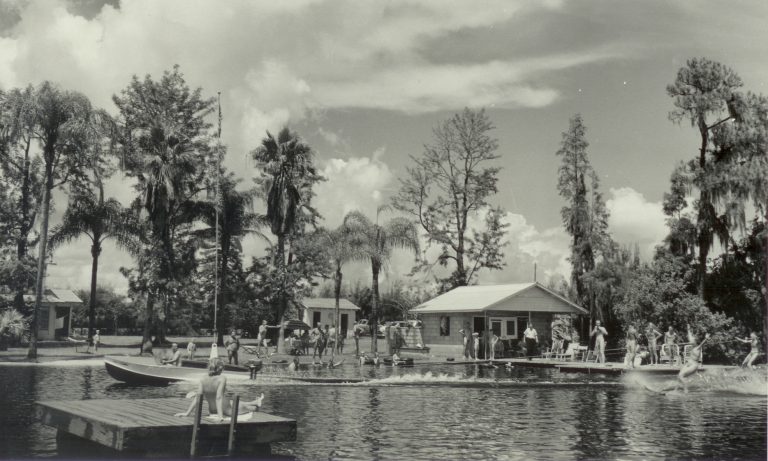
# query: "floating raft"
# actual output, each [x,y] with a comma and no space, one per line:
[148,427]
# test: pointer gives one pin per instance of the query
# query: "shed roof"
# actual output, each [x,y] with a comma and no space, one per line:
[328,303]
[479,298]
[50,296]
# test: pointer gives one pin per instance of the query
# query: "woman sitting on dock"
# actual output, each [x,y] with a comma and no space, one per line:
[213,387]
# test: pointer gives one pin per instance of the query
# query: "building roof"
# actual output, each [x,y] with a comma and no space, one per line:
[479,298]
[55,296]
[328,303]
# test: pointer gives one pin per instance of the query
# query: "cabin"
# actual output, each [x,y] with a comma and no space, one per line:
[55,315]
[505,309]
[316,311]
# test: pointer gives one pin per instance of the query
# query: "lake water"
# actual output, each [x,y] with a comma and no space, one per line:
[444,412]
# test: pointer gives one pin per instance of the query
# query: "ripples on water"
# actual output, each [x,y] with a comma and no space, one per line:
[447,412]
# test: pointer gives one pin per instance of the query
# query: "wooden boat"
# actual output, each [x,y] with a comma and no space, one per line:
[144,370]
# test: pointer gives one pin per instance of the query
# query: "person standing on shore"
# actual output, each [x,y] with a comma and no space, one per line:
[233,346]
[191,349]
[531,340]
[96,341]
[599,333]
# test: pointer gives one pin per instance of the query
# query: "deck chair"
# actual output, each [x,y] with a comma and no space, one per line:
[568,354]
[78,343]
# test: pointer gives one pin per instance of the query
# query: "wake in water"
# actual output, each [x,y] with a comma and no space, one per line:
[739,381]
[451,380]
[68,363]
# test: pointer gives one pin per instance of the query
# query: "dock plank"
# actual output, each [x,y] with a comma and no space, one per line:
[149,425]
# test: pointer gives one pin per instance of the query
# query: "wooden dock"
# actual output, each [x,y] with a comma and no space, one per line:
[148,427]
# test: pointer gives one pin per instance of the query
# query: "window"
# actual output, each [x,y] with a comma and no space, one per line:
[504,327]
[445,326]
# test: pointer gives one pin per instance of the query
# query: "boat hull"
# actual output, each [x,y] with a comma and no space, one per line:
[140,371]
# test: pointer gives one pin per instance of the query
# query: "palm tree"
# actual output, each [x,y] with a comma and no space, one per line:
[286,179]
[67,127]
[341,249]
[236,219]
[98,219]
[378,241]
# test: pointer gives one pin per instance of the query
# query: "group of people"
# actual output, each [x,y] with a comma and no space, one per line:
[473,343]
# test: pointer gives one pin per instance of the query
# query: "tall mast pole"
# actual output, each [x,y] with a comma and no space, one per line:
[216,207]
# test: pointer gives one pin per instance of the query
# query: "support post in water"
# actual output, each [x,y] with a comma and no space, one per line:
[233,426]
[196,426]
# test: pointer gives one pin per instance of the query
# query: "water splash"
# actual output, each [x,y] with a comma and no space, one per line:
[739,381]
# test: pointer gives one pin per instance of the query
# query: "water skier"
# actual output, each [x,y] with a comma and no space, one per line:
[754,350]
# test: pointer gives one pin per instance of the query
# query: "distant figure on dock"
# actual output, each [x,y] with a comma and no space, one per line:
[96,341]
[191,349]
[213,387]
[693,363]
[531,340]
[356,330]
[653,336]
[233,346]
[599,333]
[475,344]
[631,346]
[492,341]
[175,358]
[754,350]
[262,335]
[670,345]
[467,339]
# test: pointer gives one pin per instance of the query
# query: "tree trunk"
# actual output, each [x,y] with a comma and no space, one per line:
[283,301]
[375,267]
[26,227]
[95,252]
[148,320]
[42,248]
[337,312]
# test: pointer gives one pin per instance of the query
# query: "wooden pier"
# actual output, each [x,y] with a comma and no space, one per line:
[148,428]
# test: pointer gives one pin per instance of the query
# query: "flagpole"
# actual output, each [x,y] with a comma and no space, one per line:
[216,207]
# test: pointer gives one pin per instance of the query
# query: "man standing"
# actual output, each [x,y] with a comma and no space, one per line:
[531,339]
[233,345]
[600,333]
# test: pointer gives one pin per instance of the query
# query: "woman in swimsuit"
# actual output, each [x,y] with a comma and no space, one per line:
[599,333]
[653,336]
[631,346]
[754,350]
[693,363]
[213,387]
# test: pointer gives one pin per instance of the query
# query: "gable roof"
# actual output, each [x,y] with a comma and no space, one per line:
[479,298]
[328,303]
[51,296]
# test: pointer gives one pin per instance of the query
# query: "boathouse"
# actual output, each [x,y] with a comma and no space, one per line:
[322,311]
[506,309]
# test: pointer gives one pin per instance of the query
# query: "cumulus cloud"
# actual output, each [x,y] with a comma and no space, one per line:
[634,219]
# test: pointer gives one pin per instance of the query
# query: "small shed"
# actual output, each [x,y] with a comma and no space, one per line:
[505,309]
[322,311]
[55,316]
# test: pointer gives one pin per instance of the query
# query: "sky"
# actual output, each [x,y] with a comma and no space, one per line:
[365,82]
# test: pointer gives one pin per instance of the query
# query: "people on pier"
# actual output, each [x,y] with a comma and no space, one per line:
[754,350]
[653,335]
[631,346]
[600,333]
[175,358]
[531,340]
[670,345]
[213,388]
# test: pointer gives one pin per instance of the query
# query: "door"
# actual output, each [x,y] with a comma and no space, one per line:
[522,324]
[315,318]
[344,324]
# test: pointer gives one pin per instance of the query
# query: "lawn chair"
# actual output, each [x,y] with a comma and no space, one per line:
[79,343]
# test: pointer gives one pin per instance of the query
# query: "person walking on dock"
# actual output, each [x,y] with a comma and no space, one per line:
[653,336]
[531,340]
[599,333]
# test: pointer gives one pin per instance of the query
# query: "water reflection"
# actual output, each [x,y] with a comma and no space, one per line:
[450,412]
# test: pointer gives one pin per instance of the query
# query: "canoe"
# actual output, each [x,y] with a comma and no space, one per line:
[144,370]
